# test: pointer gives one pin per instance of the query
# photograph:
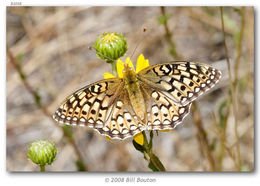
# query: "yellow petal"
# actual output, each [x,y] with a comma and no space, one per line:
[139,138]
[141,63]
[108,138]
[120,68]
[166,130]
[129,62]
[108,75]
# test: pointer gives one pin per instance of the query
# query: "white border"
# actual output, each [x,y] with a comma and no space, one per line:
[133,2]
[98,178]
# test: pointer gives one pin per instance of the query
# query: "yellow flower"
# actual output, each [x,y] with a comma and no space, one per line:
[141,64]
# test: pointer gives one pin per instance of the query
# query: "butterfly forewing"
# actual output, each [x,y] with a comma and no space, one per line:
[182,82]
[103,106]
[91,105]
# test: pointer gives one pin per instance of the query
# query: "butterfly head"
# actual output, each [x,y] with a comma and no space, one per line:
[129,74]
[128,69]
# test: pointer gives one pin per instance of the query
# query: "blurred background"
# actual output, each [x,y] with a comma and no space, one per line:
[48,59]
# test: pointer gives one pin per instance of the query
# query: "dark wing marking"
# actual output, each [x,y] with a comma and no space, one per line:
[182,82]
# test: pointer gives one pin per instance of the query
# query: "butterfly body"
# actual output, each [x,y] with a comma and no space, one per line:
[155,98]
[133,88]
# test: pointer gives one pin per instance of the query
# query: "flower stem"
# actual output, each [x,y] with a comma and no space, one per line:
[113,63]
[42,168]
[150,156]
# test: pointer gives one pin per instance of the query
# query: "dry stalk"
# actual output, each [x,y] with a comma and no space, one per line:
[169,36]
[233,83]
[205,18]
[29,88]
[222,134]
[202,136]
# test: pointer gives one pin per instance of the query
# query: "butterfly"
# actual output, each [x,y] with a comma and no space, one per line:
[157,97]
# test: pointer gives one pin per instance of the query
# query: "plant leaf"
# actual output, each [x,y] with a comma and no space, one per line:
[156,161]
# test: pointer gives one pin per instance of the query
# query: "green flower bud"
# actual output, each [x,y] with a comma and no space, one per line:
[110,46]
[42,152]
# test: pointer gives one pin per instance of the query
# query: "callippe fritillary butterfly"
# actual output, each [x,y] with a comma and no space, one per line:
[154,97]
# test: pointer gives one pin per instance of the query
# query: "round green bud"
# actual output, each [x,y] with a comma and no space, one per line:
[42,152]
[110,46]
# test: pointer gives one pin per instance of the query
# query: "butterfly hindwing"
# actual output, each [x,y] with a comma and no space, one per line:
[162,112]
[122,123]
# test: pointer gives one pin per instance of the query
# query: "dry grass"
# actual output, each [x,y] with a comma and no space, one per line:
[51,46]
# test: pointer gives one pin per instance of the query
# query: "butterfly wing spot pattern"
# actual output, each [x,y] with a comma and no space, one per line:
[164,113]
[182,81]
[168,91]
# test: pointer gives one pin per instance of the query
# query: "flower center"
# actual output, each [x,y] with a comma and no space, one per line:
[109,37]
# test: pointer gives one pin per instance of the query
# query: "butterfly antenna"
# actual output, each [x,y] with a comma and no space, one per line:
[144,30]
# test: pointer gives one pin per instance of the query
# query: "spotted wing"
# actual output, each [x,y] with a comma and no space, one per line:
[182,81]
[90,105]
[162,112]
[102,106]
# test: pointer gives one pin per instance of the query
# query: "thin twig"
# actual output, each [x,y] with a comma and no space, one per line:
[235,83]
[239,47]
[202,136]
[29,88]
[205,18]
[169,36]
[222,135]
[225,46]
[233,88]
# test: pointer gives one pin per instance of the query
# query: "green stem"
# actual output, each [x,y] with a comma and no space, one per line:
[148,153]
[42,168]
[145,140]
[113,64]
